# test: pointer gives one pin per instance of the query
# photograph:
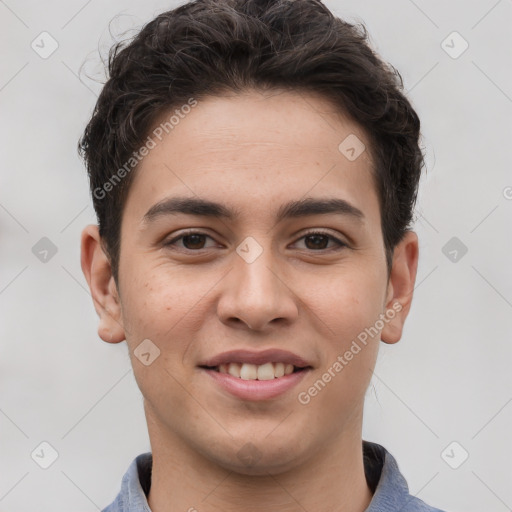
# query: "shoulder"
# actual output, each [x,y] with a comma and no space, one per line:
[389,487]
[134,487]
[414,504]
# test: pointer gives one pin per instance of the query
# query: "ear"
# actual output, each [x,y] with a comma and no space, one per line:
[98,273]
[401,286]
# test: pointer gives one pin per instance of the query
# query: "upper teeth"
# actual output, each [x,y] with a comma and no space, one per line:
[246,371]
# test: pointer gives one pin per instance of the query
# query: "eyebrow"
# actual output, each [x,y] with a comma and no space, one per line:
[293,209]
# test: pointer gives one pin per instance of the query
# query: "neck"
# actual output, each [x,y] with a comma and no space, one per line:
[329,481]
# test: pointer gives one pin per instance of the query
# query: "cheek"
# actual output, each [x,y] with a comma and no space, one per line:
[157,306]
[349,351]
[346,305]
[348,309]
[157,301]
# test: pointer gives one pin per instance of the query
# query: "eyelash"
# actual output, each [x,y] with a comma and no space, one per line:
[341,245]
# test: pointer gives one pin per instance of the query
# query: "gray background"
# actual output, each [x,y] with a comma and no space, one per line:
[449,378]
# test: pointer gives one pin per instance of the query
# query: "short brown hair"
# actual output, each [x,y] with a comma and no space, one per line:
[206,47]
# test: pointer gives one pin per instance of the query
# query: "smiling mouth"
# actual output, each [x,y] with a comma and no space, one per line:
[247,371]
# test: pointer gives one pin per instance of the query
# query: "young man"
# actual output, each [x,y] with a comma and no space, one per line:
[254,168]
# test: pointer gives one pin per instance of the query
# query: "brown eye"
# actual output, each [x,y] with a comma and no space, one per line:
[317,241]
[190,241]
[194,241]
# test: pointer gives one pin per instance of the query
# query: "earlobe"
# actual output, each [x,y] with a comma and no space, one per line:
[98,273]
[401,287]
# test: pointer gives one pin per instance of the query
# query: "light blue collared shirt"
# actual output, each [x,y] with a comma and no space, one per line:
[389,487]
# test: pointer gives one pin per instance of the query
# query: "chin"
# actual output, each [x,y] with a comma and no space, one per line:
[257,458]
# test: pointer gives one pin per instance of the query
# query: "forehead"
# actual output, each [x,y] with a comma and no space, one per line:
[256,150]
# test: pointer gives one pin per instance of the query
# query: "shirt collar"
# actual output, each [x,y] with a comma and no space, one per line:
[389,487]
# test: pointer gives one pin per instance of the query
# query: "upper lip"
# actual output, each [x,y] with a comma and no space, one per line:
[256,357]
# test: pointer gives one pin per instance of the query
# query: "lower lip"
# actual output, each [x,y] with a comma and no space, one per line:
[256,389]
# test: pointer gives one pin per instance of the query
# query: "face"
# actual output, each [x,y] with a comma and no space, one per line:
[272,254]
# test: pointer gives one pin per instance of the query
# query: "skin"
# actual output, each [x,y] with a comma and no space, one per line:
[253,152]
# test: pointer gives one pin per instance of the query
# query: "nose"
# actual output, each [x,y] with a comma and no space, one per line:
[257,294]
